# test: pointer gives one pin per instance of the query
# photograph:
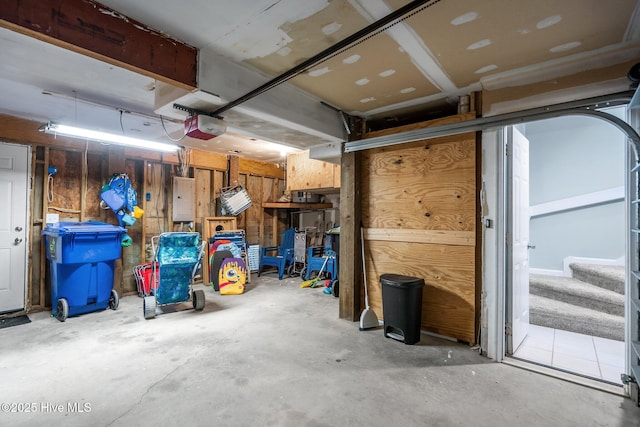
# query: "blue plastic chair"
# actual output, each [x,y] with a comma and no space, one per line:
[317,257]
[279,256]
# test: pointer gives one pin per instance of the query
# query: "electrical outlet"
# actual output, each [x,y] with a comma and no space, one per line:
[52,218]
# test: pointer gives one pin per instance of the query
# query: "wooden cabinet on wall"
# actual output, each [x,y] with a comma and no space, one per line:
[304,173]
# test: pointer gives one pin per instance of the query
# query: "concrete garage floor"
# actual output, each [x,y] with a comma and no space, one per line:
[275,356]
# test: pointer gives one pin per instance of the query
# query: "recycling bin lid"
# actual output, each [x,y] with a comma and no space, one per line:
[400,281]
[61,228]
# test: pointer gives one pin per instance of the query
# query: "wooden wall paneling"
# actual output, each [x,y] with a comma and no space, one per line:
[117,159]
[305,173]
[350,260]
[253,215]
[208,160]
[242,218]
[131,256]
[435,179]
[95,181]
[45,209]
[138,154]
[445,237]
[116,164]
[170,158]
[282,215]
[448,304]
[254,167]
[269,190]
[219,181]
[205,206]
[234,170]
[419,207]
[38,268]
[35,270]
[66,184]
[83,184]
[336,176]
[155,211]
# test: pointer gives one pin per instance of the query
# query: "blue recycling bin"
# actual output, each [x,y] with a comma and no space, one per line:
[82,257]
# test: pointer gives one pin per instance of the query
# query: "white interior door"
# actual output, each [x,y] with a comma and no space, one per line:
[14,175]
[518,236]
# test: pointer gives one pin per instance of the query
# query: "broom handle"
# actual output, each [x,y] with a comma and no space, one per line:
[364,267]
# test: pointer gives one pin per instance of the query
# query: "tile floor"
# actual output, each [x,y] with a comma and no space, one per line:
[595,357]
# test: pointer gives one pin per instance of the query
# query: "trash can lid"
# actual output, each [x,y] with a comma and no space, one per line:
[82,227]
[400,281]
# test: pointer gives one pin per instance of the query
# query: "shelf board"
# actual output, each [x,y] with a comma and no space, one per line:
[280,205]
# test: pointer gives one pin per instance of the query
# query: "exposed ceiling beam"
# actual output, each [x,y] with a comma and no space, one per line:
[92,29]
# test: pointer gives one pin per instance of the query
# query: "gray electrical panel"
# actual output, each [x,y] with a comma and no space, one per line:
[184,199]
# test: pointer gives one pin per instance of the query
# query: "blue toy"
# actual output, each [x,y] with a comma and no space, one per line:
[119,196]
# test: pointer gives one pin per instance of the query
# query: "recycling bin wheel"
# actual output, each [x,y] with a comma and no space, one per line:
[114,300]
[62,310]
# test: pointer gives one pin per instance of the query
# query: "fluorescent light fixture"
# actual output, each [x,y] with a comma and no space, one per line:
[109,138]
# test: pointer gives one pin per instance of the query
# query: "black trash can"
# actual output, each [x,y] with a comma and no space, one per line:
[402,307]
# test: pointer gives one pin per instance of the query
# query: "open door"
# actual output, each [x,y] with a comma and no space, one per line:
[632,287]
[517,238]
[14,175]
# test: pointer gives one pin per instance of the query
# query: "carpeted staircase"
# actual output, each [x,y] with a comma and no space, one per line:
[591,302]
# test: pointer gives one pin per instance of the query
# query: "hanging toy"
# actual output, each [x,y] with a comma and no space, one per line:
[119,196]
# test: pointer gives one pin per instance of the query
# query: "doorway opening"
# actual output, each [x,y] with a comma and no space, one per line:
[566,254]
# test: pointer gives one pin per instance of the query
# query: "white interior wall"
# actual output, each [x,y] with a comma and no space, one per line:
[575,156]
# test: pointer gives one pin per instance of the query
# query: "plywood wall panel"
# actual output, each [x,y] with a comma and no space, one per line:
[156,208]
[242,218]
[269,193]
[304,173]
[421,206]
[95,181]
[208,160]
[253,215]
[425,185]
[131,256]
[448,305]
[254,167]
[419,210]
[205,204]
[65,185]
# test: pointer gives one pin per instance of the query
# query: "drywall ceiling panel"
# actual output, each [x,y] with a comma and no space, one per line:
[372,74]
[472,39]
[311,36]
[368,76]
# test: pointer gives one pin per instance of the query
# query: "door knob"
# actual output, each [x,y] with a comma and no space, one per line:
[17,241]
[531,246]
[18,228]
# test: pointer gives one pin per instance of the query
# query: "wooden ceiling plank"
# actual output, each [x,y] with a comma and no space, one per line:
[89,28]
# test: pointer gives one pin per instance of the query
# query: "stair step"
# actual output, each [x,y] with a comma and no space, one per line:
[560,315]
[609,277]
[578,293]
